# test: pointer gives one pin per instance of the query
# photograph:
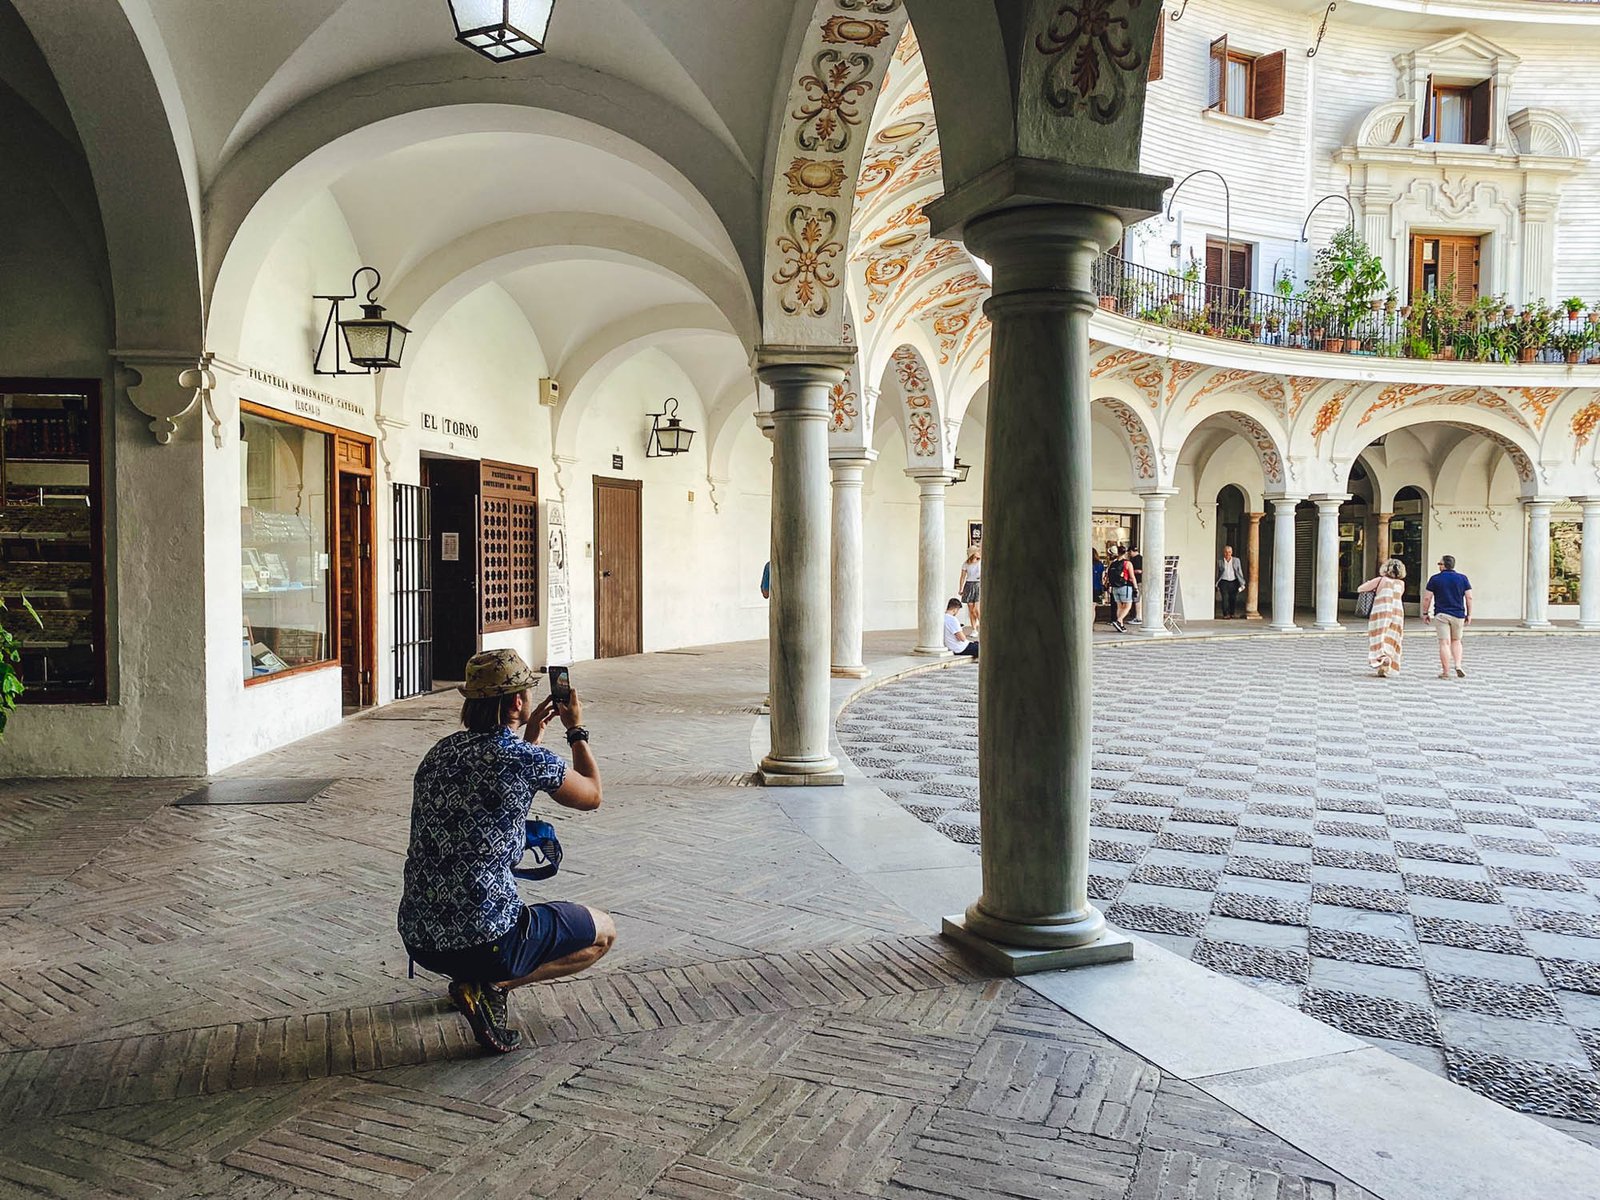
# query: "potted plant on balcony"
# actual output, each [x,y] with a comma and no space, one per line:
[1348,278]
[1534,330]
[1574,306]
[1572,343]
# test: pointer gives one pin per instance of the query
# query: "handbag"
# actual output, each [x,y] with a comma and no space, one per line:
[544,848]
[1364,603]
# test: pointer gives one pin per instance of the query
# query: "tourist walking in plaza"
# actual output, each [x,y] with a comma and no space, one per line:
[1447,602]
[460,914]
[1386,624]
[1230,578]
[1120,578]
[969,584]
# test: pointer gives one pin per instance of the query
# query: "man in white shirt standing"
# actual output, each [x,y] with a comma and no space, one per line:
[955,638]
[1230,578]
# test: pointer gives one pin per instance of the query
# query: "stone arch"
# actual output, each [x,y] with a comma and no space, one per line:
[312,145]
[835,83]
[143,178]
[1143,464]
[1468,408]
[1275,471]
[1448,475]
[920,414]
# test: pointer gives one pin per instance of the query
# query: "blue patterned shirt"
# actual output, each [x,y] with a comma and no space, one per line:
[469,801]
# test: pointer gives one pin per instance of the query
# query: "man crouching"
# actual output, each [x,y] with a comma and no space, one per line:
[460,914]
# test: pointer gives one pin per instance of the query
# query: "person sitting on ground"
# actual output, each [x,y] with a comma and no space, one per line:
[955,638]
[460,914]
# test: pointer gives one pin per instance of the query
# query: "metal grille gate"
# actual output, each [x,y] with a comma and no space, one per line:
[413,590]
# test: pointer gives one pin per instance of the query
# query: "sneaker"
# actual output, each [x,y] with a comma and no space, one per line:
[1118,626]
[484,1006]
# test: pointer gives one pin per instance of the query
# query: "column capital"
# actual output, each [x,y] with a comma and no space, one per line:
[1330,499]
[853,456]
[1279,499]
[931,475]
[1037,185]
[1587,502]
[1149,494]
[1534,503]
[1256,516]
[841,358]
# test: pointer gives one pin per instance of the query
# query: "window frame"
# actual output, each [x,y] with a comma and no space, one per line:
[1269,66]
[1477,99]
[330,483]
[90,389]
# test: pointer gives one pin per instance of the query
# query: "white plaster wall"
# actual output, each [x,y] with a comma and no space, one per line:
[890,519]
[1276,169]
[55,320]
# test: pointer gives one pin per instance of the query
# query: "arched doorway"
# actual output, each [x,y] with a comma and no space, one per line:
[1408,533]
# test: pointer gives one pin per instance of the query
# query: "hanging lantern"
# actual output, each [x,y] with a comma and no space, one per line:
[962,470]
[370,341]
[670,438]
[502,30]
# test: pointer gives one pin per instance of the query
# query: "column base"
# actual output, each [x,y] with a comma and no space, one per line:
[1334,628]
[816,772]
[1110,946]
[930,652]
[1284,628]
[1158,632]
[849,672]
[1538,625]
[1254,616]
[1589,626]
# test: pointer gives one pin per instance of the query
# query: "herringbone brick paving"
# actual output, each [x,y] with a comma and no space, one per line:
[213,1003]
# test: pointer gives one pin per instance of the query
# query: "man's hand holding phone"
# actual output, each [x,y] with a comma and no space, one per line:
[538,720]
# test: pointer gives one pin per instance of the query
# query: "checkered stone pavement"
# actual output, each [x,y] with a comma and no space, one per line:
[1415,861]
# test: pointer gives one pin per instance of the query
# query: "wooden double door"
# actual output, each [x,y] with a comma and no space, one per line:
[357,572]
[1441,261]
[618,573]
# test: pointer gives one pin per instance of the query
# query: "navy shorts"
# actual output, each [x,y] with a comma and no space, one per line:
[543,933]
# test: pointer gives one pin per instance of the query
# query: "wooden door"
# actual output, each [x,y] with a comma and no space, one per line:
[453,556]
[618,550]
[355,587]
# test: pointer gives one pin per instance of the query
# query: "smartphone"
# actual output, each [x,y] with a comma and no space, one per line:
[560,685]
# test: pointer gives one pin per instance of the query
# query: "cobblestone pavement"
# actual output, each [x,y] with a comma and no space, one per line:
[212,1002]
[1415,861]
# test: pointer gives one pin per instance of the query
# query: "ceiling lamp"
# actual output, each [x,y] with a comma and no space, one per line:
[671,438]
[502,30]
[370,341]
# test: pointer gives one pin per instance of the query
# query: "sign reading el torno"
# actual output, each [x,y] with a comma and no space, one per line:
[448,426]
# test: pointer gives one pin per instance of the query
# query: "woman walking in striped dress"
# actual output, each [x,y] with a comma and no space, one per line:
[1386,626]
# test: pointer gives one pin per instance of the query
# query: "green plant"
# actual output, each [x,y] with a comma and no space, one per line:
[1284,286]
[1238,333]
[11,686]
[1573,342]
[1191,271]
[1574,306]
[1347,279]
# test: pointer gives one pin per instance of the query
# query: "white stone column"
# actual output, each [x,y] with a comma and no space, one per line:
[1034,745]
[799,647]
[1252,595]
[1153,546]
[931,583]
[1327,563]
[1283,562]
[1589,583]
[1536,608]
[847,565]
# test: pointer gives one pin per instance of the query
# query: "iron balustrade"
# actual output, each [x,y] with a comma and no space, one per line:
[1485,332]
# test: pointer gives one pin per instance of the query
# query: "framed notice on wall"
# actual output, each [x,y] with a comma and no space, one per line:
[974,533]
[558,621]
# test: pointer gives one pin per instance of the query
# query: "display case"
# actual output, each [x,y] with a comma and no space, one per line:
[283,535]
[50,536]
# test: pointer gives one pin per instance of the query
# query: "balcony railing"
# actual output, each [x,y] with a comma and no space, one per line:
[1483,332]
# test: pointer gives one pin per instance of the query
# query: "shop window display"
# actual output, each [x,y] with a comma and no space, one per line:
[284,567]
[50,536]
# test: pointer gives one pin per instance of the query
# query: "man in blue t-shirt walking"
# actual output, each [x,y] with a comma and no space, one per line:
[1448,602]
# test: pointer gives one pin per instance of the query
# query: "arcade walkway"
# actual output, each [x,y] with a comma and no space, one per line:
[211,1001]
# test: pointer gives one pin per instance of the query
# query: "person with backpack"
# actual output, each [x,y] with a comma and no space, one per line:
[1121,579]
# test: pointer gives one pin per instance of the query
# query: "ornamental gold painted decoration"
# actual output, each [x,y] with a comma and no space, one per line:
[837,82]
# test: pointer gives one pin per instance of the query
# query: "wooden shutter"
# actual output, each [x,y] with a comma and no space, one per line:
[1219,74]
[1458,256]
[508,547]
[1213,264]
[1239,272]
[1478,110]
[1158,51]
[1427,111]
[1269,76]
